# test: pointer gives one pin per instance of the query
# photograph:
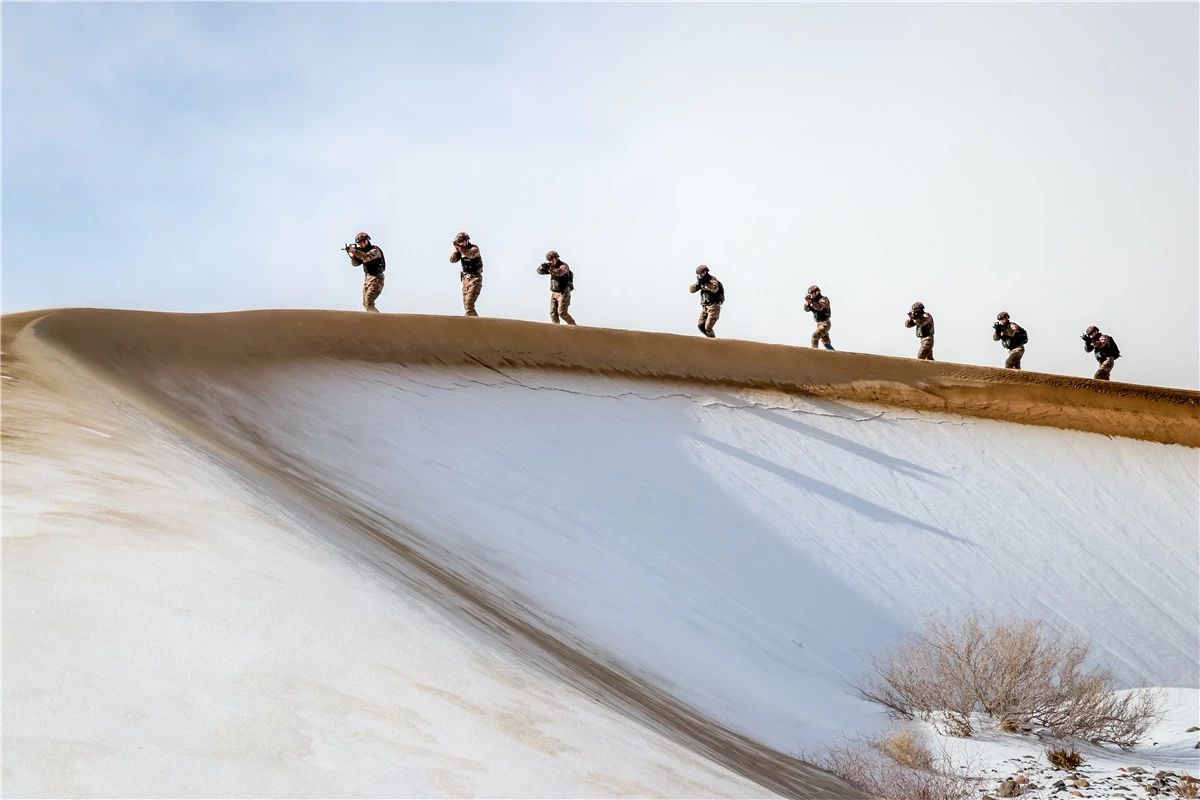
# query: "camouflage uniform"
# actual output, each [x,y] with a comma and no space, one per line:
[371,259]
[561,285]
[708,319]
[1105,348]
[822,313]
[471,275]
[372,288]
[1007,335]
[712,297]
[924,326]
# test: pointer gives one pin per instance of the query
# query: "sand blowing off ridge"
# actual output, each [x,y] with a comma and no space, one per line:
[400,555]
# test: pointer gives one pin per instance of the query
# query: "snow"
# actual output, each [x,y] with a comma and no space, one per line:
[169,630]
[996,756]
[746,552]
[751,552]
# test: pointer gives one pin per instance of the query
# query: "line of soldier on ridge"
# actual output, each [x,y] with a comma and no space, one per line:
[467,255]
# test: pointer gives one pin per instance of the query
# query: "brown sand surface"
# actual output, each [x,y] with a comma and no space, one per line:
[126,342]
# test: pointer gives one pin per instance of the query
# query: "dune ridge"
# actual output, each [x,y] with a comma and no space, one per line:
[124,342]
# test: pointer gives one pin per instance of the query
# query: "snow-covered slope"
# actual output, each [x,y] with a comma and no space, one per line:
[373,575]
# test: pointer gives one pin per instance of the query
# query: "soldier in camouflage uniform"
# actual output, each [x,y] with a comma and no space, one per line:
[1105,348]
[712,296]
[818,304]
[468,256]
[562,283]
[370,257]
[922,320]
[1012,336]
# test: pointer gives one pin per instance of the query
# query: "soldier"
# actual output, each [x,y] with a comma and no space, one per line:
[370,257]
[712,295]
[472,270]
[818,304]
[1105,348]
[922,320]
[1012,336]
[562,283]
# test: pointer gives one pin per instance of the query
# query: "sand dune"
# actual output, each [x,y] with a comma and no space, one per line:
[708,537]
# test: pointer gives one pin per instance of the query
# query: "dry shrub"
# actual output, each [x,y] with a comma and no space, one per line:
[1062,758]
[1018,673]
[906,749]
[885,779]
[1188,786]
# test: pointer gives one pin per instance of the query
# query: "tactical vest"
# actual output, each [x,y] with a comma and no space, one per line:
[1109,350]
[376,265]
[1018,339]
[925,330]
[709,297]
[472,266]
[564,284]
[822,316]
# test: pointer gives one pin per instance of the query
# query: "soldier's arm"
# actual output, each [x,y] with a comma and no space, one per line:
[561,271]
[822,304]
[695,287]
[356,256]
[909,323]
[544,269]
[456,256]
[996,334]
[1088,346]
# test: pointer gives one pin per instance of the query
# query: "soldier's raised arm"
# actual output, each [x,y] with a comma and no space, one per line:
[456,256]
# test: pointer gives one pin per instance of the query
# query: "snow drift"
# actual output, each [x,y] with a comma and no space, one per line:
[710,538]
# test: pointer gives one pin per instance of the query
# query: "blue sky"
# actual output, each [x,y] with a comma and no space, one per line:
[1037,158]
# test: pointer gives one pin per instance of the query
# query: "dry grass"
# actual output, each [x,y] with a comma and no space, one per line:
[906,749]
[1062,758]
[1018,673]
[866,770]
[1188,786]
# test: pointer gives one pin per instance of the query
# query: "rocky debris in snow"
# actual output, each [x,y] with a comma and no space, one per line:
[1009,788]
[1040,781]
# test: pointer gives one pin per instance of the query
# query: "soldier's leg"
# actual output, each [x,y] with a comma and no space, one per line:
[714,314]
[703,318]
[554,307]
[472,286]
[1104,372]
[564,306]
[925,351]
[372,288]
[1014,358]
[821,335]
